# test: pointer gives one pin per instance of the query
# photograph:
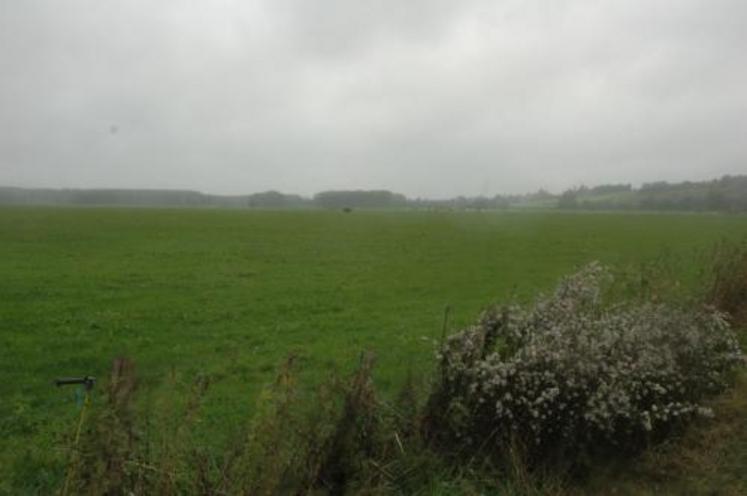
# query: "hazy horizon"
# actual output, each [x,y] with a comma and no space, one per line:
[429,99]
[312,194]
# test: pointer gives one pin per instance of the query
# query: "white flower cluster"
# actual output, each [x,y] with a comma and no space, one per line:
[574,371]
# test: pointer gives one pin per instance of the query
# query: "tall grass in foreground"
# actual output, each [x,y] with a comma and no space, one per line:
[521,403]
[727,289]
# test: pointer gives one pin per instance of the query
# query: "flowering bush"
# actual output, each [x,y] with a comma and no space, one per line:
[573,373]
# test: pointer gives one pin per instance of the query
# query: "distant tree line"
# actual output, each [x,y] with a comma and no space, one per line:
[24,196]
[146,197]
[359,199]
[344,199]
[727,194]
[275,199]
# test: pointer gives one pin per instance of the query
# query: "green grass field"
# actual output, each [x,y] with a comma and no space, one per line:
[231,293]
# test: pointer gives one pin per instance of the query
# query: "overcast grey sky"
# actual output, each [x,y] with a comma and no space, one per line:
[430,98]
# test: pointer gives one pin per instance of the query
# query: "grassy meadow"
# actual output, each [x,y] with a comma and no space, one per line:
[230,293]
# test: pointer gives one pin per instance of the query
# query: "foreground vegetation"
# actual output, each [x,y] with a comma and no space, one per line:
[526,397]
[208,303]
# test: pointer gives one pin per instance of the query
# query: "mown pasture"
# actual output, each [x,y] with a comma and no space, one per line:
[230,293]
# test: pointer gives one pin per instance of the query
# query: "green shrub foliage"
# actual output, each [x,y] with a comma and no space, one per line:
[571,374]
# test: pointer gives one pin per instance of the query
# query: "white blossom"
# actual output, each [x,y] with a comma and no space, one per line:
[572,367]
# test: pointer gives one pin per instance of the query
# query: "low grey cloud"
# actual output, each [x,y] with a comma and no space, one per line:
[436,98]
